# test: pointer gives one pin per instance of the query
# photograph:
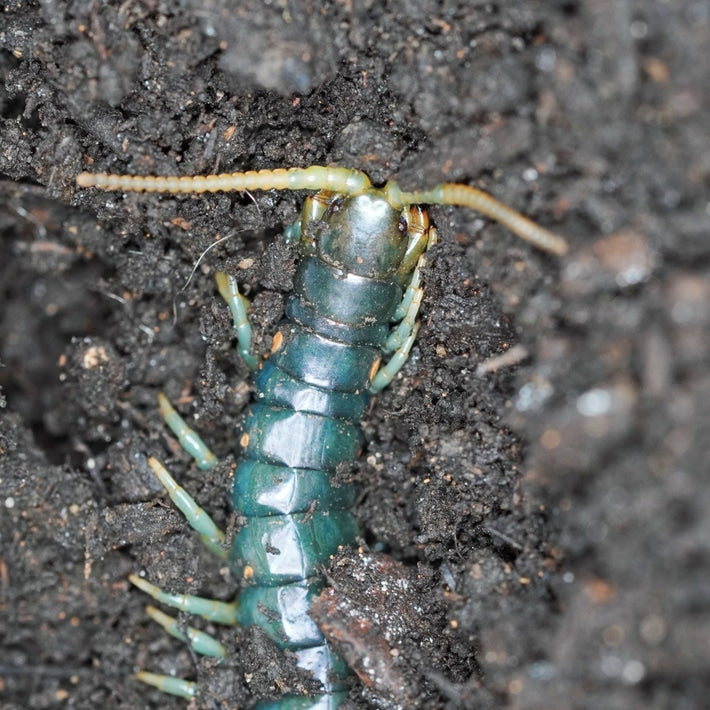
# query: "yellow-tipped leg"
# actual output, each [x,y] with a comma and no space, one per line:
[402,331]
[239,305]
[201,642]
[198,518]
[189,439]
[388,372]
[173,686]
[210,609]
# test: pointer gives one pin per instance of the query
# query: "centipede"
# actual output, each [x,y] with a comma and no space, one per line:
[348,328]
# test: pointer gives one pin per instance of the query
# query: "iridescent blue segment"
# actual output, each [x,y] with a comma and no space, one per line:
[281,549]
[262,489]
[339,295]
[282,613]
[281,389]
[303,428]
[323,362]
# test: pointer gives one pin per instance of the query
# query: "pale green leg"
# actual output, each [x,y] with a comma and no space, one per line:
[198,518]
[212,537]
[239,305]
[408,308]
[173,686]
[189,439]
[388,372]
[210,609]
[292,233]
[412,289]
[400,334]
[402,338]
[199,641]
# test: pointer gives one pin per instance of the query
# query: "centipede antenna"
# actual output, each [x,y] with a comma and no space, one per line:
[315,177]
[467,196]
[342,180]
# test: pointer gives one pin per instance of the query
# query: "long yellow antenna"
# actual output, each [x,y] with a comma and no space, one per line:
[342,180]
[450,193]
[316,177]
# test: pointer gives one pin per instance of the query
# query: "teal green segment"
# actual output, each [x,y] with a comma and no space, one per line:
[345,297]
[388,372]
[325,363]
[282,613]
[198,518]
[274,386]
[199,641]
[331,701]
[262,489]
[282,549]
[299,439]
[210,609]
[299,311]
[167,684]
[239,305]
[188,438]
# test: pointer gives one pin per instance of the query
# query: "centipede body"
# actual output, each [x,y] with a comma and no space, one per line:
[361,257]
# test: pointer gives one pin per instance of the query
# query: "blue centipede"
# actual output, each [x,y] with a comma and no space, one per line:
[348,328]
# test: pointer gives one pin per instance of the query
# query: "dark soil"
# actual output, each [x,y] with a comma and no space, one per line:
[545,522]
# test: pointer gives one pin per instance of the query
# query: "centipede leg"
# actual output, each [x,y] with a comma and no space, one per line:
[292,232]
[224,613]
[199,641]
[389,370]
[211,609]
[189,439]
[167,684]
[239,305]
[400,334]
[198,518]
[402,337]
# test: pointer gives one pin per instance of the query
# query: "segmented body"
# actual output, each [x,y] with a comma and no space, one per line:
[310,396]
[361,251]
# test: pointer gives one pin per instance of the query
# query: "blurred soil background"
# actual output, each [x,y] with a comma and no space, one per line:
[544,517]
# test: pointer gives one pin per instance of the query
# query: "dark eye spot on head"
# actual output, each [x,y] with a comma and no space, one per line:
[402,225]
[335,205]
